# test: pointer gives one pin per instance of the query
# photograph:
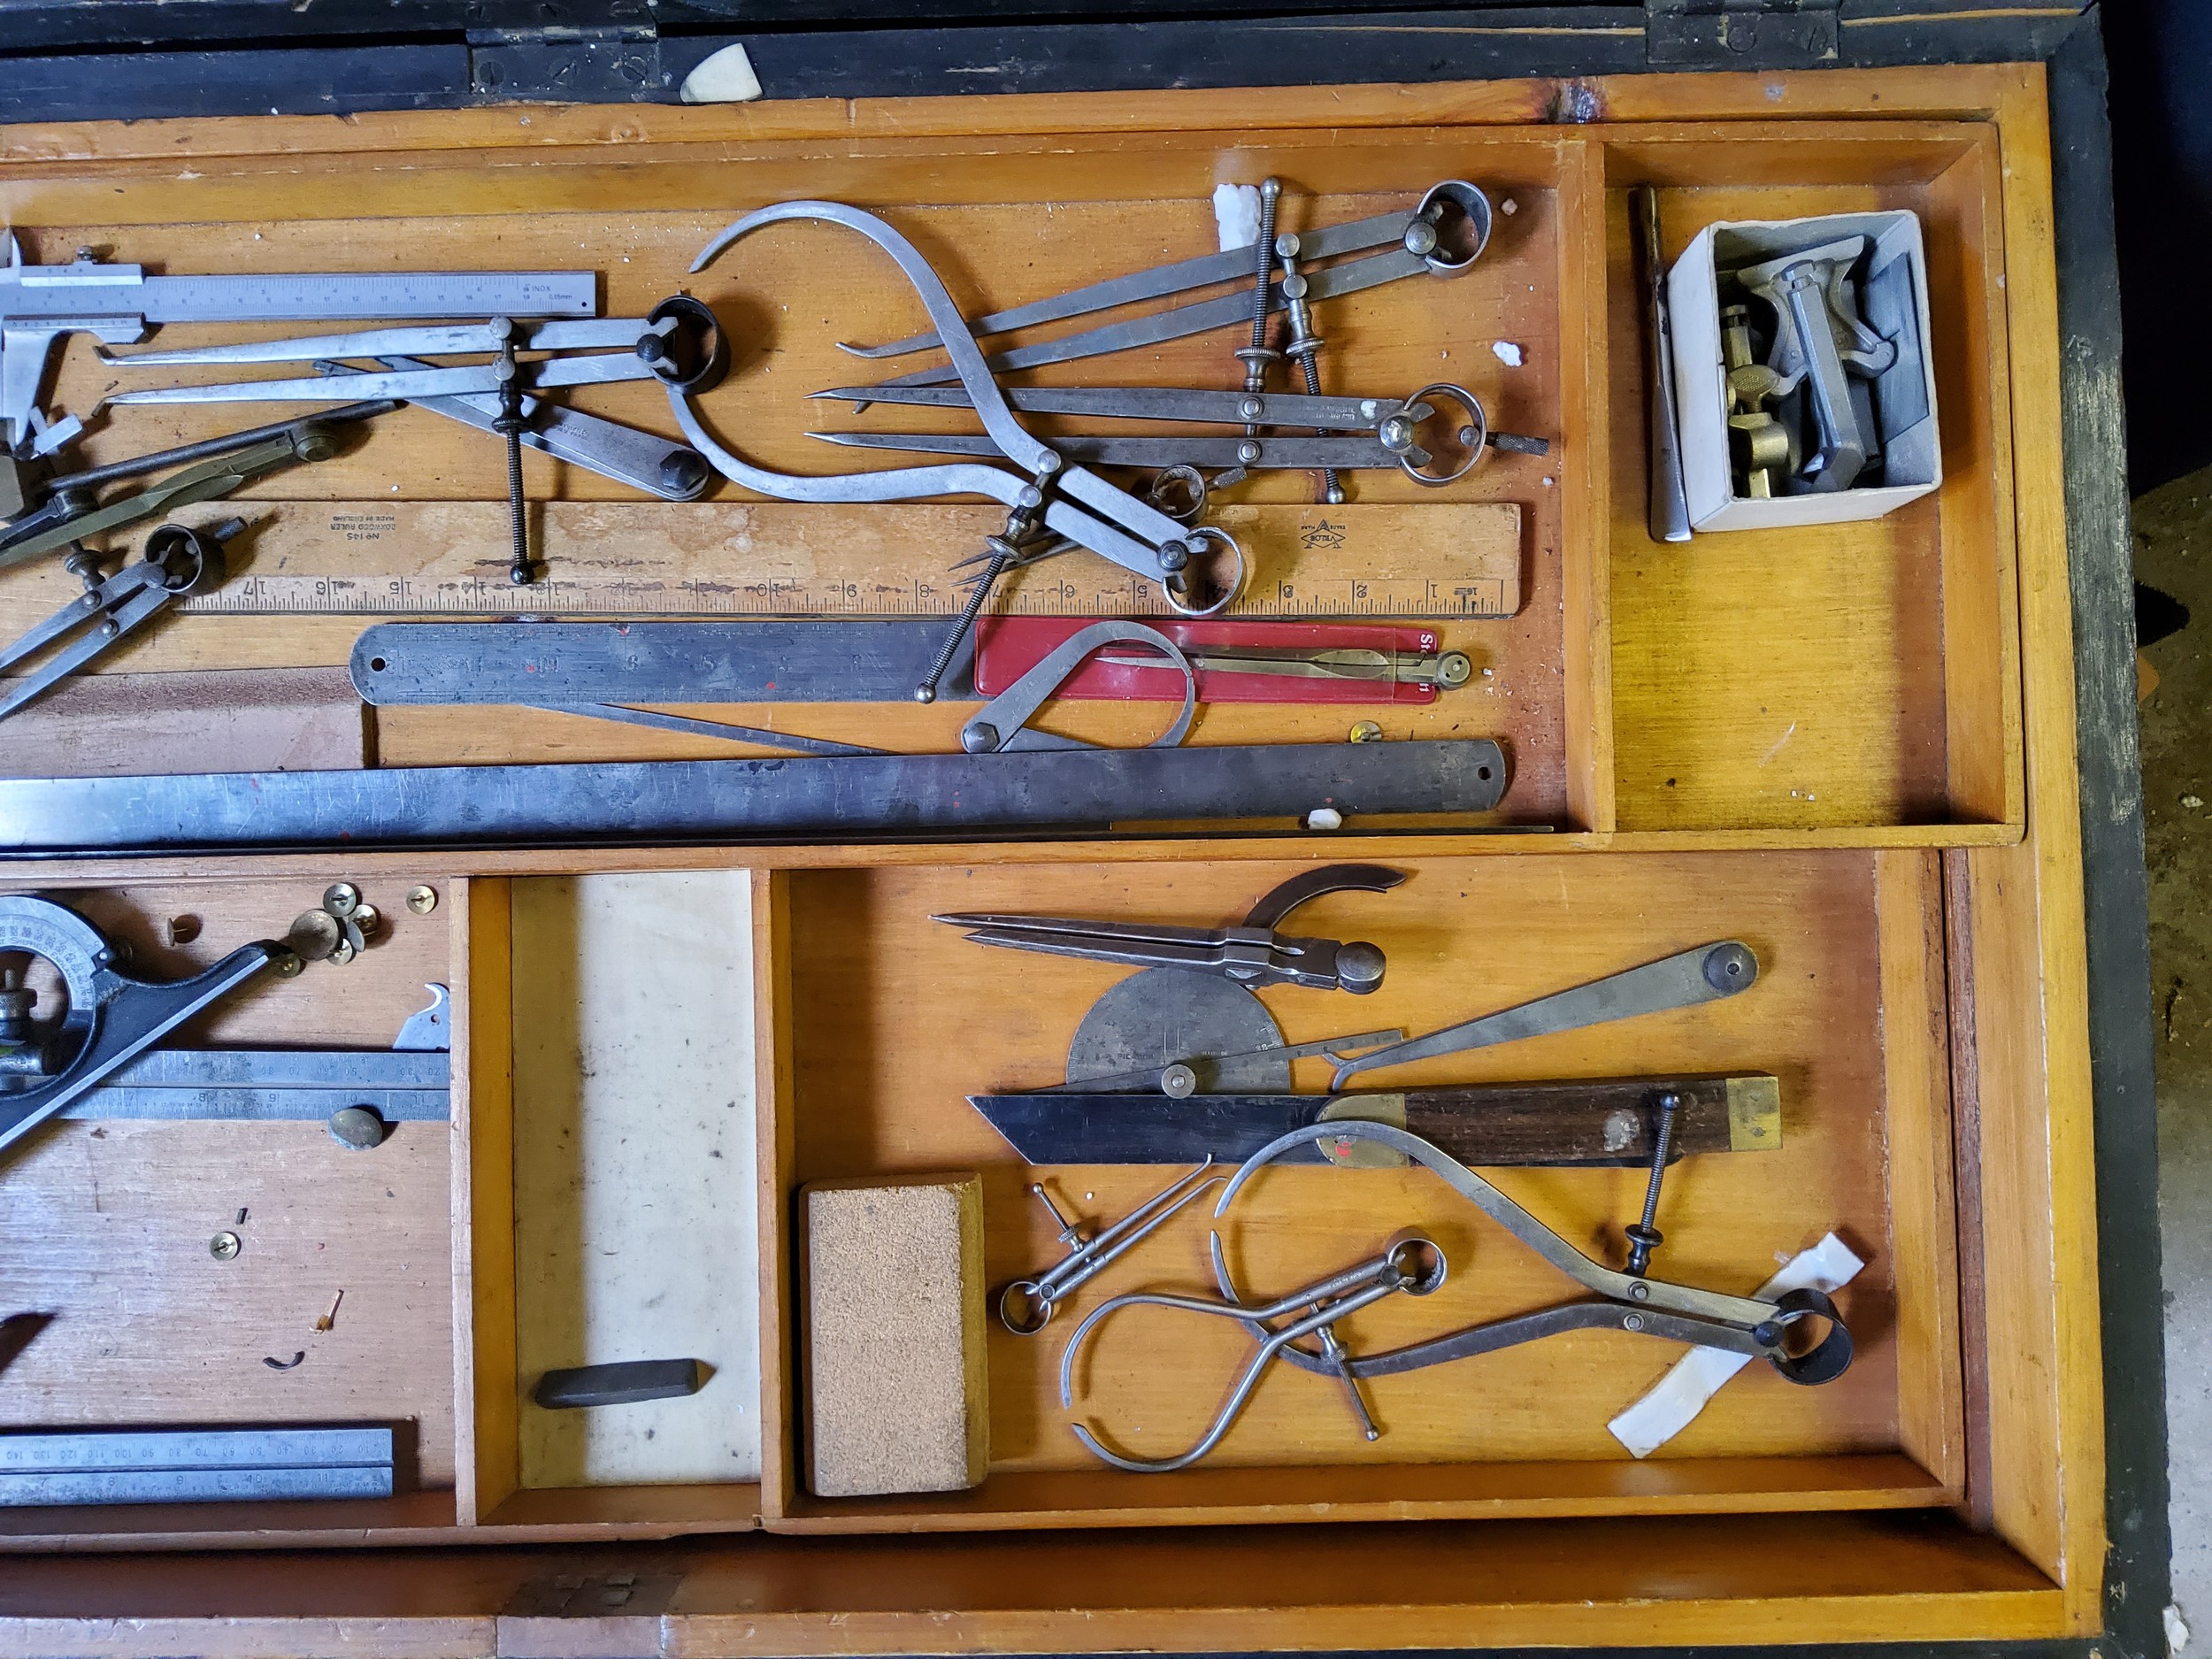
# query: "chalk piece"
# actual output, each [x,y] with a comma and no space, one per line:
[895,1379]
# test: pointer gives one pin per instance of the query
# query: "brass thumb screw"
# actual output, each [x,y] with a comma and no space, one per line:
[1644,1238]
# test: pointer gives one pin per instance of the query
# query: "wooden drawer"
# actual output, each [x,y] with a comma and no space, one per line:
[1855,684]
[1852,748]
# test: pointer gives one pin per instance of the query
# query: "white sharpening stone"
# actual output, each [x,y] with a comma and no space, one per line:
[1237,215]
[634,1163]
[1674,1403]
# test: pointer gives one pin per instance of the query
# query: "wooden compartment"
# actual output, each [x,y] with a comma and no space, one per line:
[1851,674]
[895,1018]
[1858,684]
[606,1185]
[110,1223]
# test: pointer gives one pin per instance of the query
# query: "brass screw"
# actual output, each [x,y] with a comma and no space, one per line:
[224,1247]
[422,900]
[1367,732]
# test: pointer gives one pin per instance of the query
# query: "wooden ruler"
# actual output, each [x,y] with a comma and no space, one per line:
[1422,561]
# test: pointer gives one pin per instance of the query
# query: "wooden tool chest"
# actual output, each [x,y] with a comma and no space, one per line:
[1851,747]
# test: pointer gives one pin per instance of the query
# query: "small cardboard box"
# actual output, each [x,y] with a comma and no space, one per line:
[1904,394]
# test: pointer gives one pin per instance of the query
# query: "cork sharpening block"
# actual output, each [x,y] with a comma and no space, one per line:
[896,1384]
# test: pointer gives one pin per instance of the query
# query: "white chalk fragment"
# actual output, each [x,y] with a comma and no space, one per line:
[722,77]
[1506,352]
[1237,215]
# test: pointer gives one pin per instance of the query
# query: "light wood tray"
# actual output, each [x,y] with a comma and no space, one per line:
[1857,682]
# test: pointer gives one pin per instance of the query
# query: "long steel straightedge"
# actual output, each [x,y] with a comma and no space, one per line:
[198,1465]
[850,797]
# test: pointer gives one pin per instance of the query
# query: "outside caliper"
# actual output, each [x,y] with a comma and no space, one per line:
[110,1016]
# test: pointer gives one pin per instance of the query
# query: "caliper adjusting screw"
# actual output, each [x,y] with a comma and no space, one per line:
[1258,358]
[1644,1238]
[1304,343]
[509,423]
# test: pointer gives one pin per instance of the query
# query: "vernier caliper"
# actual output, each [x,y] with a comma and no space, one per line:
[119,304]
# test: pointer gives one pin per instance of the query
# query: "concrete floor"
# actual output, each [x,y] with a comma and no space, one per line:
[2173,552]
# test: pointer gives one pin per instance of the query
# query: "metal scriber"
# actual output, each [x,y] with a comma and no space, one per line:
[1252,954]
[1077,504]
[1444,234]
[1703,975]
[177,563]
[1440,670]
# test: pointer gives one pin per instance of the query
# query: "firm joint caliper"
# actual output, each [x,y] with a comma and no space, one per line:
[1038,486]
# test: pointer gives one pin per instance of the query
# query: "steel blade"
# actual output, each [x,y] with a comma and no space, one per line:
[1138,951]
[1234,265]
[89,288]
[332,1069]
[183,1104]
[443,339]
[410,385]
[1080,1128]
[1690,977]
[583,662]
[1143,402]
[1305,453]
[1330,282]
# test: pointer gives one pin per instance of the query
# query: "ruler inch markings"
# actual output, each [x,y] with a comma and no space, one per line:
[1375,561]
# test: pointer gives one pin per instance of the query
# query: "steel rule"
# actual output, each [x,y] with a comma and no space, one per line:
[1381,561]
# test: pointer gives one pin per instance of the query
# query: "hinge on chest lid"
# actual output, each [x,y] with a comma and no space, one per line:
[619,61]
[1740,34]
